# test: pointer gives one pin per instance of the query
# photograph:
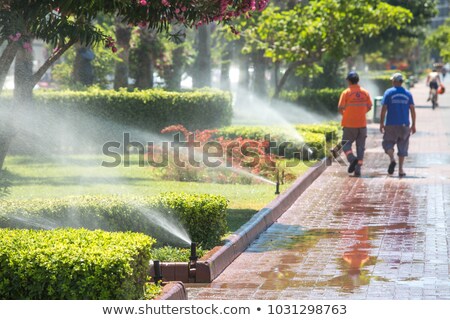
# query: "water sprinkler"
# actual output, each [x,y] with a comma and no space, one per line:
[193,258]
[157,269]
[193,261]
[277,185]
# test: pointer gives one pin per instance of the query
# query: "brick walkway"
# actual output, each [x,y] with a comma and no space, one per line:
[377,237]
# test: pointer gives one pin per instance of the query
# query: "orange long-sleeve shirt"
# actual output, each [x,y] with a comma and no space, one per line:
[354,103]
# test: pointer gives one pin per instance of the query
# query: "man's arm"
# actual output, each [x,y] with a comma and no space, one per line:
[342,103]
[413,118]
[382,117]
[369,102]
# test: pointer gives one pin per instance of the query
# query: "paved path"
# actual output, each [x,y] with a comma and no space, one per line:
[376,237]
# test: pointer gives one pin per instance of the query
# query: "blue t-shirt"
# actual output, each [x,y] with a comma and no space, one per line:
[398,100]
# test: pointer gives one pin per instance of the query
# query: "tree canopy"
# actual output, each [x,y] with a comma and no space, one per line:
[439,40]
[65,22]
[301,36]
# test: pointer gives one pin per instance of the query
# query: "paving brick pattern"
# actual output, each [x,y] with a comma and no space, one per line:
[374,237]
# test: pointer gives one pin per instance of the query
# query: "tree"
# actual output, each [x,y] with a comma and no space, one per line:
[439,40]
[406,37]
[300,37]
[63,23]
[123,38]
[201,76]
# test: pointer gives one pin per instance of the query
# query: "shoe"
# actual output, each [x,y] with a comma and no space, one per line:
[428,99]
[392,167]
[401,175]
[351,167]
[358,171]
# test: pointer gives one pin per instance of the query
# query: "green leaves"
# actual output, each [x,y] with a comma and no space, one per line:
[311,136]
[302,35]
[150,110]
[73,264]
[203,216]
[439,40]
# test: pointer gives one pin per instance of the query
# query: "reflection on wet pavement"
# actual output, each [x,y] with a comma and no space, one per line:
[379,237]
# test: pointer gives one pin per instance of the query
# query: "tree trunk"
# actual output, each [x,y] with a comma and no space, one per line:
[284,78]
[174,73]
[244,74]
[227,56]
[6,59]
[202,68]
[144,71]
[123,37]
[23,95]
[276,73]
[83,72]
[259,65]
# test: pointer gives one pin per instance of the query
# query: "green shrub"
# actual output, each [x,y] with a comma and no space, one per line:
[381,82]
[148,109]
[77,121]
[173,254]
[203,216]
[316,99]
[332,130]
[73,264]
[304,137]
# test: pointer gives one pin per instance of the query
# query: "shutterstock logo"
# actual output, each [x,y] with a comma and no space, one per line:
[184,152]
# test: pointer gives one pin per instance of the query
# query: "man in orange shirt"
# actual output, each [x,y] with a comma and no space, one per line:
[354,103]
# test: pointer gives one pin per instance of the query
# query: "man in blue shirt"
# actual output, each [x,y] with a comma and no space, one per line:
[397,104]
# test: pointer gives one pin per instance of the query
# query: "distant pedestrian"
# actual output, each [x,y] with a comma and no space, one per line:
[354,103]
[397,105]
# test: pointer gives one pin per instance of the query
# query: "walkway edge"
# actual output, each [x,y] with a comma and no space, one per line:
[215,261]
[173,291]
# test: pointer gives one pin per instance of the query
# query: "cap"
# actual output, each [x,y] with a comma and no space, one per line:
[352,75]
[397,77]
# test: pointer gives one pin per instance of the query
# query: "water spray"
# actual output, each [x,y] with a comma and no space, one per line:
[158,274]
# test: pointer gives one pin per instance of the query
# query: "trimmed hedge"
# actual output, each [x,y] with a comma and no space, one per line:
[381,83]
[315,99]
[147,109]
[303,137]
[73,264]
[78,119]
[203,216]
[332,130]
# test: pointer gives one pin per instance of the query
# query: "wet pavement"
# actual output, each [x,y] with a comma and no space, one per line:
[374,237]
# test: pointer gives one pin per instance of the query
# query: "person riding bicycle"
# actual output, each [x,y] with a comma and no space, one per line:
[433,81]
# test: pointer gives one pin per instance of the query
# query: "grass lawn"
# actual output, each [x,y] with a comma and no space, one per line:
[59,176]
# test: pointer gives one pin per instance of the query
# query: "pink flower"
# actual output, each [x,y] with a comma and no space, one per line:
[165,3]
[114,49]
[15,37]
[143,2]
[142,24]
[27,46]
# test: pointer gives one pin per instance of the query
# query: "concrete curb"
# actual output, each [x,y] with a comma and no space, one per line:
[210,266]
[214,262]
[173,291]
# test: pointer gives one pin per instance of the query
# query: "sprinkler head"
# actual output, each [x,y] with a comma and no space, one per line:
[193,258]
[277,185]
[157,268]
